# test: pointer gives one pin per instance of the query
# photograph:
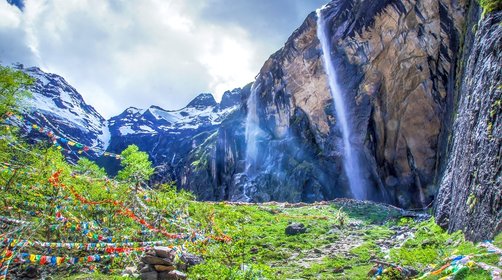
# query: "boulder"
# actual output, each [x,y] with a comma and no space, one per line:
[295,228]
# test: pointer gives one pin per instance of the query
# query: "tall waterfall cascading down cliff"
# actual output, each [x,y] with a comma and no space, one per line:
[350,162]
[253,131]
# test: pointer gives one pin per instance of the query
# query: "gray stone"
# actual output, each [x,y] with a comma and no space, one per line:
[295,228]
[156,260]
[172,275]
[146,268]
[164,252]
[152,275]
[191,259]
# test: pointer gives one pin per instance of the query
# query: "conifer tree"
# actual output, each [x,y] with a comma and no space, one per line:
[137,168]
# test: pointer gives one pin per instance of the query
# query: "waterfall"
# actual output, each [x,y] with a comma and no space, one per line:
[350,161]
[253,132]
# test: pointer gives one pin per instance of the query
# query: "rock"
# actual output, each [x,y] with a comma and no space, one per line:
[470,194]
[146,268]
[164,252]
[156,260]
[30,272]
[152,275]
[295,228]
[172,275]
[253,250]
[338,270]
[162,268]
[150,253]
[191,259]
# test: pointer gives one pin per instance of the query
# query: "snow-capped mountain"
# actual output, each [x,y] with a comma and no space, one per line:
[57,106]
[167,136]
[202,112]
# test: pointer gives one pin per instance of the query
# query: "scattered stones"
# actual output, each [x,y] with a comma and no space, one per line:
[295,228]
[254,250]
[159,264]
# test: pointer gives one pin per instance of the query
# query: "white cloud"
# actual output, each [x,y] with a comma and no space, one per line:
[120,53]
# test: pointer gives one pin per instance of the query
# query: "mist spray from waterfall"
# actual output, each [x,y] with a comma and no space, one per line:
[350,162]
[253,132]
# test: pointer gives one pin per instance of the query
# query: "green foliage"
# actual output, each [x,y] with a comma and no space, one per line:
[137,168]
[13,85]
[89,168]
[425,248]
[490,5]
[213,270]
[497,241]
[367,251]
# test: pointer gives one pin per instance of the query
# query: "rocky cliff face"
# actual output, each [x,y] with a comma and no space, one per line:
[470,195]
[396,63]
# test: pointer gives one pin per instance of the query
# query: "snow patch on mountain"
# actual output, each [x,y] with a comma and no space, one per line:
[202,112]
[57,105]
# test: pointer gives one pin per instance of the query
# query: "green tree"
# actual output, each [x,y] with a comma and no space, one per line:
[137,168]
[13,88]
[13,85]
[89,168]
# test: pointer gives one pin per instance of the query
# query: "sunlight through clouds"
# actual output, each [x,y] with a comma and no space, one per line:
[138,53]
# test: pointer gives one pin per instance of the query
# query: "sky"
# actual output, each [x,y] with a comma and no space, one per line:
[123,53]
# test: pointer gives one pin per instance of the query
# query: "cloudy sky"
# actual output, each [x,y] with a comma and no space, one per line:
[121,53]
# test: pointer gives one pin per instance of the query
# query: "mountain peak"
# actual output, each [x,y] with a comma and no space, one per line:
[202,101]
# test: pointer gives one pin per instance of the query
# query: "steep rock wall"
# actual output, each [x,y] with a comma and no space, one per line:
[470,195]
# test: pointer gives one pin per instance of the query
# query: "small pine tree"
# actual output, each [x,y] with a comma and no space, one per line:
[137,168]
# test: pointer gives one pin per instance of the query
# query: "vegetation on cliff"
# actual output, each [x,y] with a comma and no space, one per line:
[490,5]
